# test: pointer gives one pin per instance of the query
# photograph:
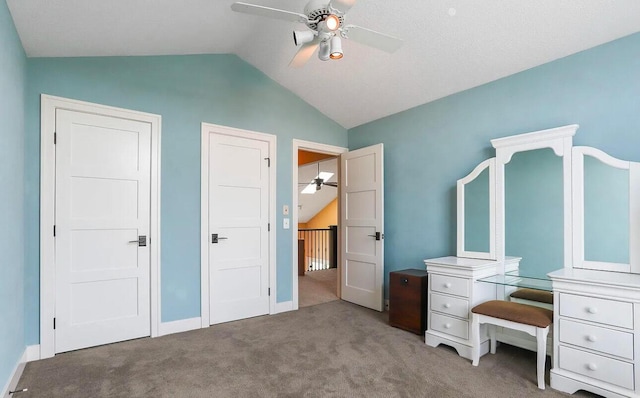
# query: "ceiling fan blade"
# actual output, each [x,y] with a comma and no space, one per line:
[269,12]
[342,5]
[304,53]
[331,184]
[372,38]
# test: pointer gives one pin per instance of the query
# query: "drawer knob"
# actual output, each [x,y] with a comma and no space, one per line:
[591,338]
[447,305]
[447,285]
[592,366]
[447,326]
[592,310]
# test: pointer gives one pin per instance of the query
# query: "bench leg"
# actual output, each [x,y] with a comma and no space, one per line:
[492,336]
[541,337]
[475,339]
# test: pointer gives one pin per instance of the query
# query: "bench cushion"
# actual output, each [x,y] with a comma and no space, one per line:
[540,296]
[515,312]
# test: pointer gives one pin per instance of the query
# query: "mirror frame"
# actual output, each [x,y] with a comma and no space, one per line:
[489,164]
[560,140]
[579,152]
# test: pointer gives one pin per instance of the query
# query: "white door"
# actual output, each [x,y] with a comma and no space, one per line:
[362,227]
[238,227]
[102,207]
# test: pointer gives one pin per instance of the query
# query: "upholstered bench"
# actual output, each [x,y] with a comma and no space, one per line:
[540,298]
[529,319]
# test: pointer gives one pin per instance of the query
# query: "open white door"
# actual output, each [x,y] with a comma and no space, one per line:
[362,227]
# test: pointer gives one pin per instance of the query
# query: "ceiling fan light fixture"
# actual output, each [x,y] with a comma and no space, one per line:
[324,50]
[336,48]
[302,37]
[332,22]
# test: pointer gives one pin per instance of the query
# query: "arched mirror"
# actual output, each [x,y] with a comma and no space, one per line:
[533,199]
[605,211]
[476,212]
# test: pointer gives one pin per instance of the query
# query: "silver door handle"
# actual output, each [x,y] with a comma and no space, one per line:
[378,236]
[215,238]
[142,240]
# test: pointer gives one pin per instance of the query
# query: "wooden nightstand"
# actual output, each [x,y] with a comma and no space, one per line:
[408,300]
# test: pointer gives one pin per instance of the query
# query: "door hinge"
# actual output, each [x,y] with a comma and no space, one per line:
[54,230]
[269,292]
[268,227]
[54,323]
[268,161]
[55,138]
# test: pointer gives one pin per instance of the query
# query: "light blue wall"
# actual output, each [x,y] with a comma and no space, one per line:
[429,147]
[185,90]
[12,87]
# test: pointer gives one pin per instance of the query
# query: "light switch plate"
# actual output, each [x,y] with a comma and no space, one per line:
[285,210]
[285,223]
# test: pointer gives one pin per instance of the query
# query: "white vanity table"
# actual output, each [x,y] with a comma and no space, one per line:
[453,290]
[597,321]
[597,288]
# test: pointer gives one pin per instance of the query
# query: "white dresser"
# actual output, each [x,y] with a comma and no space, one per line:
[597,321]
[453,291]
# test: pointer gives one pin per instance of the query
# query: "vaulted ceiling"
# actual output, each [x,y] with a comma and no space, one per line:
[449,45]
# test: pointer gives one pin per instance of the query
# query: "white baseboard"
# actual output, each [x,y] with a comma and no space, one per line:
[183,325]
[285,306]
[15,376]
[33,352]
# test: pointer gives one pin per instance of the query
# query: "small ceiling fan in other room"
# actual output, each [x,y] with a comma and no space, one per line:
[326,22]
[318,182]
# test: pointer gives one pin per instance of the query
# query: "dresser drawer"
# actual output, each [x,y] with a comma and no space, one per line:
[608,312]
[448,325]
[608,370]
[597,338]
[450,305]
[449,284]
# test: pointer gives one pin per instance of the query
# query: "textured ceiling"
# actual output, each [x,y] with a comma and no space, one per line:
[449,45]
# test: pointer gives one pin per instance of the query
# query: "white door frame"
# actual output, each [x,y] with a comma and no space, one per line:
[207,128]
[48,107]
[312,147]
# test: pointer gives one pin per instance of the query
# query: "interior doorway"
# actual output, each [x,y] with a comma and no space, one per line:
[315,223]
[317,228]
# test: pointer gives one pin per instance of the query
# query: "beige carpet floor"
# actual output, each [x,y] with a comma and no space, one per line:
[317,287]
[335,349]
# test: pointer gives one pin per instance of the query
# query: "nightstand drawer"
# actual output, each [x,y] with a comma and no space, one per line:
[608,312]
[597,338]
[609,370]
[448,325]
[449,284]
[450,305]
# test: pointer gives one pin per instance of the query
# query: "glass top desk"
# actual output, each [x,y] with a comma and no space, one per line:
[517,279]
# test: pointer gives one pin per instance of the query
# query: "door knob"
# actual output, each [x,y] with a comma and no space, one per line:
[142,241]
[378,236]
[215,238]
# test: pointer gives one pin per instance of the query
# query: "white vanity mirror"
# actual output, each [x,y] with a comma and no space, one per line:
[533,178]
[533,208]
[476,213]
[605,201]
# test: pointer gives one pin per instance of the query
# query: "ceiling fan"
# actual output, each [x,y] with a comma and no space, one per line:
[326,21]
[318,182]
